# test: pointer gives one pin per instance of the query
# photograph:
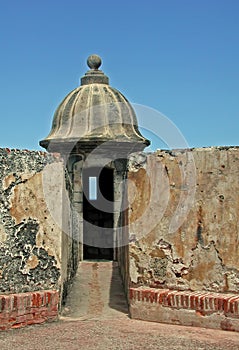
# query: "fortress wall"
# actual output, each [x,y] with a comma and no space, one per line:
[184,223]
[35,221]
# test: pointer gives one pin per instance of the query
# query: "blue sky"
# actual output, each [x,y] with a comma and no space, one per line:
[180,57]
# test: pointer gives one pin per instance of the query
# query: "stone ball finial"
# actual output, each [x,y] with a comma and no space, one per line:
[94,62]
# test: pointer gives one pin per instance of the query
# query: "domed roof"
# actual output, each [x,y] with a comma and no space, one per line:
[94,113]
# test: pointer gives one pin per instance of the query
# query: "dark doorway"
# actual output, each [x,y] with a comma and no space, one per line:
[98,213]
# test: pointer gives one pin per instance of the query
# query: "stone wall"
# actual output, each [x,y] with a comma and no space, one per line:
[35,223]
[183,221]
[202,252]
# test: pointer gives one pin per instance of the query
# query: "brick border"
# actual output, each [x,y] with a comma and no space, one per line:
[19,310]
[204,309]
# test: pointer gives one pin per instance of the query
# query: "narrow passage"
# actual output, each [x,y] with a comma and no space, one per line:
[96,293]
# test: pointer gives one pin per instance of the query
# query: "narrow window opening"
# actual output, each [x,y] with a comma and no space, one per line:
[92,188]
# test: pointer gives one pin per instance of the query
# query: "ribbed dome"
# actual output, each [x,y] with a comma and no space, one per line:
[94,113]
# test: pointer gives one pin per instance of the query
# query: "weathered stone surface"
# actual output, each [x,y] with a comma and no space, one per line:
[32,224]
[184,226]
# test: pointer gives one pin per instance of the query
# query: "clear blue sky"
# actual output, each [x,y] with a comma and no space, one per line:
[180,57]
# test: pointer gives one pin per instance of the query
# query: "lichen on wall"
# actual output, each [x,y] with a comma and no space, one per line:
[183,219]
[30,238]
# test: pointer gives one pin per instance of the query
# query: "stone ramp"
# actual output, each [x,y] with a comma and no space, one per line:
[96,293]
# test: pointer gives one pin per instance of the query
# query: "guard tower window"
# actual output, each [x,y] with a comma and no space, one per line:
[92,188]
